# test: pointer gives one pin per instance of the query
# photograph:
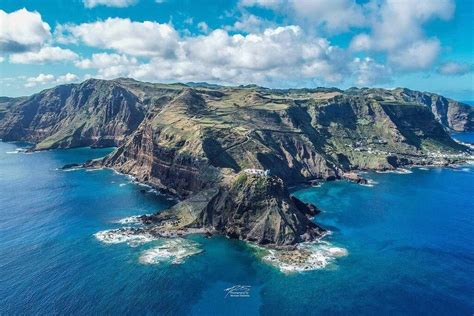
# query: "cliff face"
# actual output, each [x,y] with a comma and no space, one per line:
[258,209]
[251,207]
[94,113]
[188,143]
[453,115]
[197,142]
[168,150]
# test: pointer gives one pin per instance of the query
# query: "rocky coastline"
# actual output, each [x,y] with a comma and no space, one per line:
[229,155]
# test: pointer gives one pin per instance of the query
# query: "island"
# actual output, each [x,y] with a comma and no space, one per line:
[230,154]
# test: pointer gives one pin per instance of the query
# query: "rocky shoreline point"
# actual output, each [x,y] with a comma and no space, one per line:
[234,210]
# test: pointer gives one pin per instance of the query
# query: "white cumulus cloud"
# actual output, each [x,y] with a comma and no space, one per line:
[455,69]
[418,55]
[22,31]
[333,15]
[281,53]
[368,72]
[250,23]
[44,55]
[396,29]
[41,79]
[67,78]
[109,3]
[109,65]
[49,79]
[133,38]
[261,3]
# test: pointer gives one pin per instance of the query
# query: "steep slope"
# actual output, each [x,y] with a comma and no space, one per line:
[167,150]
[259,209]
[453,115]
[95,113]
[252,207]
[204,133]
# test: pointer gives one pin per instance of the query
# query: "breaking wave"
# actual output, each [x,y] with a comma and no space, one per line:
[17,151]
[174,251]
[307,257]
[397,171]
[129,235]
[130,220]
[370,183]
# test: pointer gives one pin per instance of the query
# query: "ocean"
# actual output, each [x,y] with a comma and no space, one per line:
[409,240]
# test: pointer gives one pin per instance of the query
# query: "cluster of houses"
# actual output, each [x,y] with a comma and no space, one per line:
[258,172]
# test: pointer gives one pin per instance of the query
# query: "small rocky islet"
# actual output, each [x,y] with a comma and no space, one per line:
[229,154]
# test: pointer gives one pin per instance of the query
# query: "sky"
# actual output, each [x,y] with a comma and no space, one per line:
[425,45]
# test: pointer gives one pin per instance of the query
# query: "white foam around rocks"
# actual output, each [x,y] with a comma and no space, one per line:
[171,250]
[130,220]
[124,235]
[463,169]
[70,169]
[17,151]
[93,169]
[397,171]
[370,183]
[318,255]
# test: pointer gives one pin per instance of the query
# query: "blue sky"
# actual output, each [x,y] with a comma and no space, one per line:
[420,44]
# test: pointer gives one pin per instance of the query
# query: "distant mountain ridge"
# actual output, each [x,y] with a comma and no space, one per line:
[133,98]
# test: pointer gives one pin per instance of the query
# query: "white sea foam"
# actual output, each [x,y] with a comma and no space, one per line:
[124,235]
[129,220]
[93,169]
[171,250]
[128,176]
[459,169]
[140,184]
[122,184]
[403,171]
[17,151]
[69,169]
[307,257]
[397,171]
[370,183]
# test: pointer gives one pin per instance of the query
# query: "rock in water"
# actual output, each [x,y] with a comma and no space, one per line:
[71,166]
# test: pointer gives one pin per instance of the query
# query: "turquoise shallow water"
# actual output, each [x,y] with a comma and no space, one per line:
[410,240]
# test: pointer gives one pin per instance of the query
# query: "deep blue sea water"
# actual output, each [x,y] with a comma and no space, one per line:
[410,243]
[464,137]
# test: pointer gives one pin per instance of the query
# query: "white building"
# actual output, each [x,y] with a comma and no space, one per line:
[258,172]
